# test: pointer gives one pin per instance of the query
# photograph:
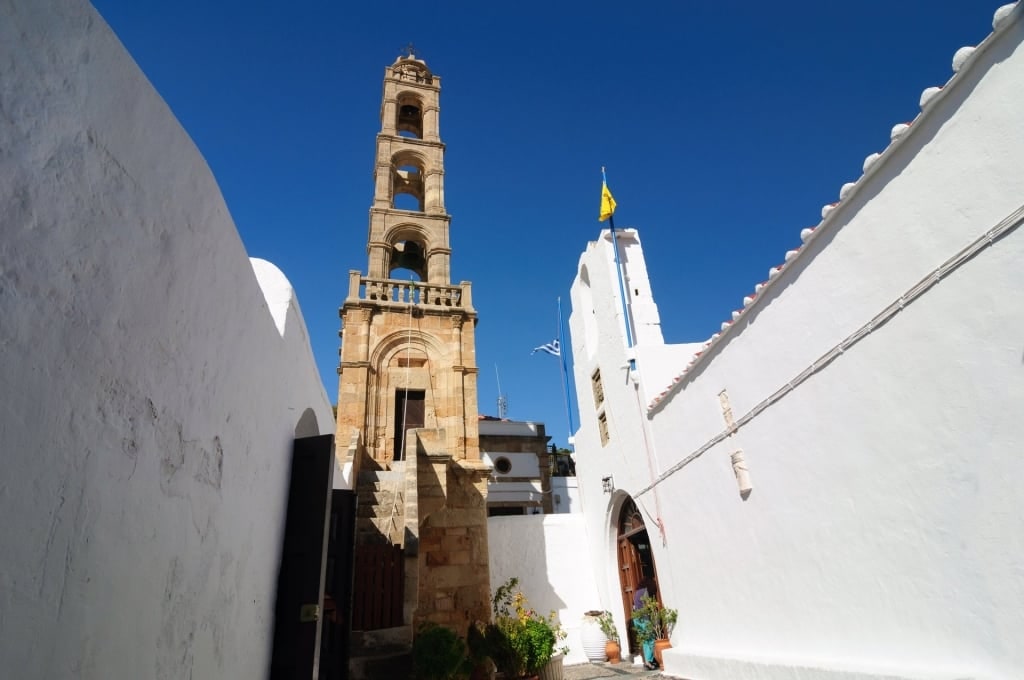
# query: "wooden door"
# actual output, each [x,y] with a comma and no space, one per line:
[636,562]
[410,414]
[379,587]
[300,583]
[336,623]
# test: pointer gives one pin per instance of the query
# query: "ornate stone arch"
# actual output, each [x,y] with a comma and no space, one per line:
[401,361]
[388,347]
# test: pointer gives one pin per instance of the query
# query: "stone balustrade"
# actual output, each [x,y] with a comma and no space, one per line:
[409,292]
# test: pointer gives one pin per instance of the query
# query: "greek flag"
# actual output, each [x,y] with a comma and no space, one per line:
[551,348]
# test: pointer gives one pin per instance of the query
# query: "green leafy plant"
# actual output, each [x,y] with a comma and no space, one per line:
[653,621]
[607,624]
[476,641]
[439,654]
[520,641]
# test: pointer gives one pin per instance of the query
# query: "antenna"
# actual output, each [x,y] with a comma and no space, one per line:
[502,399]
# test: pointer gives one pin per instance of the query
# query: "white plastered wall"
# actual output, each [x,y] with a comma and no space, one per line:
[149,399]
[883,536]
[545,553]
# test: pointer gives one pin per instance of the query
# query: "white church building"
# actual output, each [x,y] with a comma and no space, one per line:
[828,486]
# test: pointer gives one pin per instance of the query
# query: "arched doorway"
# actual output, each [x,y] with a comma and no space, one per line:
[636,560]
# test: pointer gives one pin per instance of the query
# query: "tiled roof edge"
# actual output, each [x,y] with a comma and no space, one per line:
[962,60]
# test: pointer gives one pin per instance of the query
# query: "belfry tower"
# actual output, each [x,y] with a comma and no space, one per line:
[407,433]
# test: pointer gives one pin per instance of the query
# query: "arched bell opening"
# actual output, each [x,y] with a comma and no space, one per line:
[636,562]
[406,201]
[409,122]
[407,182]
[408,261]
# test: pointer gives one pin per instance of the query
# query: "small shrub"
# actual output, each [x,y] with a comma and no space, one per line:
[607,623]
[520,641]
[652,621]
[439,654]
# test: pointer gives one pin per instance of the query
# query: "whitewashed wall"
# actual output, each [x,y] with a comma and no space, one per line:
[545,553]
[149,397]
[883,536]
[565,494]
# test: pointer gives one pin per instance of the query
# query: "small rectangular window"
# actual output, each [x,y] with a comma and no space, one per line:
[602,426]
[595,384]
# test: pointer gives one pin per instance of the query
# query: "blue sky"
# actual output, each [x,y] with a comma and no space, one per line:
[724,127]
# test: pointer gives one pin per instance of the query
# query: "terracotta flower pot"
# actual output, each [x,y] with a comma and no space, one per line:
[660,645]
[613,651]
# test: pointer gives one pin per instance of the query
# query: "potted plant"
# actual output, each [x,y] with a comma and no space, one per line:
[439,654]
[654,624]
[612,649]
[554,669]
[520,642]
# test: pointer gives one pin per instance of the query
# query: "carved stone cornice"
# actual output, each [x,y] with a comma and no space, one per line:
[411,141]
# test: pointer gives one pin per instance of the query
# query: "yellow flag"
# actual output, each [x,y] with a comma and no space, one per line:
[607,203]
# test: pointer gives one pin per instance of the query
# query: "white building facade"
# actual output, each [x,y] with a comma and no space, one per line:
[827,488]
[153,378]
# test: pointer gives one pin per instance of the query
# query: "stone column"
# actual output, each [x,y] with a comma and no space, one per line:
[431,123]
[433,200]
[388,116]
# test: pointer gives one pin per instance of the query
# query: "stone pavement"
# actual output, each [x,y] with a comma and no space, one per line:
[587,671]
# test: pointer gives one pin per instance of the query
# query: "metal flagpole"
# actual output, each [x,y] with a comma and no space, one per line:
[619,276]
[565,372]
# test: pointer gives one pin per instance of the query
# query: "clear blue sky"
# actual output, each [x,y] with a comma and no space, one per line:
[724,126]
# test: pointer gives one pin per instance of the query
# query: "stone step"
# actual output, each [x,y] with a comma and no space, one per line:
[374,498]
[396,474]
[391,667]
[383,641]
[379,512]
[378,654]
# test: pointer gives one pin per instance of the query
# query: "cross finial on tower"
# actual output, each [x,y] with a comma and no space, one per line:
[410,51]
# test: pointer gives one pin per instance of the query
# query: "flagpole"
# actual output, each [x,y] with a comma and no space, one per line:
[565,373]
[619,276]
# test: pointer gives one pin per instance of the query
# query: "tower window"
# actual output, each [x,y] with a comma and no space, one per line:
[407,187]
[410,117]
[602,427]
[595,384]
[408,261]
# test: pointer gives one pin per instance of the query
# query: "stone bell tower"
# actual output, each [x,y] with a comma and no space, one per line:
[407,402]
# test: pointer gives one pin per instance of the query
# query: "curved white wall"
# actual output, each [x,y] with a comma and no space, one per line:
[149,401]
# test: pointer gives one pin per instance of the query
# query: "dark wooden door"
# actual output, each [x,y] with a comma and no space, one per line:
[629,579]
[636,562]
[337,618]
[300,583]
[410,414]
[379,590]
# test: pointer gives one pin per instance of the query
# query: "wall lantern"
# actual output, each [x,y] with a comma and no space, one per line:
[607,484]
